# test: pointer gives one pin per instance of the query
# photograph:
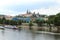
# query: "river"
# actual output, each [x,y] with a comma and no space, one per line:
[10,34]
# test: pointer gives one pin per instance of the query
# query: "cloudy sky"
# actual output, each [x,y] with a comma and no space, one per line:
[15,7]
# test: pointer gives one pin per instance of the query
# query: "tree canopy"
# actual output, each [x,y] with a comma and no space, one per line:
[54,19]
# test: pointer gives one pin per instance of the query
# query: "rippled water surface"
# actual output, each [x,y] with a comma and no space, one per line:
[9,34]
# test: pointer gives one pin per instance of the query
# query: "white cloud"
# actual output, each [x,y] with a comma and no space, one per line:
[20,2]
[57,1]
[17,2]
[48,11]
[9,12]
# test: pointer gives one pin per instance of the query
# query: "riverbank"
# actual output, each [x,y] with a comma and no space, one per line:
[44,32]
[35,28]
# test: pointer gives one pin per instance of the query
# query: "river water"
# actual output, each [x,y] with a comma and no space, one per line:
[9,34]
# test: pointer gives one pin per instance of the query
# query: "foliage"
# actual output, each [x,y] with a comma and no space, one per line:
[54,19]
[30,25]
[10,22]
[39,22]
[19,22]
[57,20]
[51,19]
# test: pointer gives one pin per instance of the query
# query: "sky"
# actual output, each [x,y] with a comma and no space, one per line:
[16,7]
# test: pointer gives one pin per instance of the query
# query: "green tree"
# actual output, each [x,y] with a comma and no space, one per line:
[50,21]
[54,19]
[40,21]
[3,21]
[12,22]
[30,25]
[57,20]
[19,22]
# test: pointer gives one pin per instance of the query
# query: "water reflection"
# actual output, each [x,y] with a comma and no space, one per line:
[9,34]
[57,37]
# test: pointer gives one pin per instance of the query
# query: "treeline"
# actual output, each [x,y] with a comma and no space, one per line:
[10,22]
[54,19]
